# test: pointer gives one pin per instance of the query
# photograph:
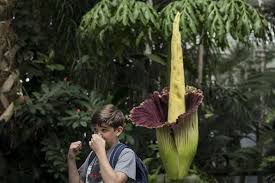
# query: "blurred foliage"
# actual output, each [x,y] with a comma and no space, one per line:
[116,26]
[50,119]
[239,105]
[72,53]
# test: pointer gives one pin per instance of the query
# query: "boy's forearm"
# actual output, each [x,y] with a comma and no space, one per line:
[107,172]
[74,176]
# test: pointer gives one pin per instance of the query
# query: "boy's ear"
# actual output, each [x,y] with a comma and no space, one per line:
[119,130]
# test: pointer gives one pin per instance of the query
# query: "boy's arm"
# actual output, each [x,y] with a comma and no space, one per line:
[74,176]
[107,172]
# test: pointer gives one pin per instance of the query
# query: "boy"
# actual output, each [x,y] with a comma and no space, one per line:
[108,123]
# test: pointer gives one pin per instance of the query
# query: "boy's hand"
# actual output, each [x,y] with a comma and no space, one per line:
[74,149]
[97,143]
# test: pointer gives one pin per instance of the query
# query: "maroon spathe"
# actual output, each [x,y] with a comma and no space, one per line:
[152,113]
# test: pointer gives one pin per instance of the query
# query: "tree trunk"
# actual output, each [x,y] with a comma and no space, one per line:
[200,64]
[262,56]
[263,4]
[9,85]
[147,51]
[262,97]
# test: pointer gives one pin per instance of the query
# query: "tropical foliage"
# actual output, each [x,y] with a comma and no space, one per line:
[70,57]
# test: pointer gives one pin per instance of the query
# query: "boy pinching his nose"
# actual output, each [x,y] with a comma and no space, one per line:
[108,124]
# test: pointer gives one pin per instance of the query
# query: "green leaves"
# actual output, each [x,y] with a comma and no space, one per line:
[58,105]
[146,15]
[120,14]
[245,159]
[189,23]
[156,58]
[76,118]
[215,24]
[236,18]
[57,114]
[214,19]
[242,19]
[55,156]
[268,163]
[97,18]
[115,28]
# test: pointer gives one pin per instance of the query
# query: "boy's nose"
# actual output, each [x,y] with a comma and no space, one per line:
[98,133]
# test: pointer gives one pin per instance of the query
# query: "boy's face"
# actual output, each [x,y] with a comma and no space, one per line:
[108,133]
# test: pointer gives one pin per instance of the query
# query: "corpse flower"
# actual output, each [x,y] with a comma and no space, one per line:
[173,112]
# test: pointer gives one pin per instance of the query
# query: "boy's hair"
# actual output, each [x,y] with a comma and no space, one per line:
[109,115]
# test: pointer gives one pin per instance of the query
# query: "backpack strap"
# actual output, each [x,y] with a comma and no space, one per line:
[92,156]
[141,171]
[115,154]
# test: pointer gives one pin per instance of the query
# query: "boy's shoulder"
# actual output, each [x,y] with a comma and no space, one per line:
[141,172]
[122,150]
[128,149]
[127,152]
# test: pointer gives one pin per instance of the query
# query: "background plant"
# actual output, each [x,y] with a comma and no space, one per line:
[55,64]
